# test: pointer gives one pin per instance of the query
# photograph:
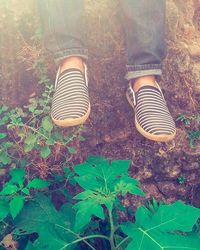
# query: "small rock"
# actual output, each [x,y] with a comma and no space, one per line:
[172,171]
[192,178]
[170,189]
[194,50]
[191,166]
[151,191]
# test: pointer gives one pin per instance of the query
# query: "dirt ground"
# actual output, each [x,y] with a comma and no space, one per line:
[110,130]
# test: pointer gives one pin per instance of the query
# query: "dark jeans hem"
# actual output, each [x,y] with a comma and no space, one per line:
[132,74]
[61,55]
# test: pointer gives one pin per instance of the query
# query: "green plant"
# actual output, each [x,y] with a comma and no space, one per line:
[16,190]
[32,137]
[77,225]
[193,136]
[186,119]
[192,125]
[181,179]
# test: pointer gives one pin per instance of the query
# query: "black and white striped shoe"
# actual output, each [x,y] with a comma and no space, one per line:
[70,104]
[152,117]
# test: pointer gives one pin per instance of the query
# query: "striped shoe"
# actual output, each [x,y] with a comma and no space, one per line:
[70,104]
[152,117]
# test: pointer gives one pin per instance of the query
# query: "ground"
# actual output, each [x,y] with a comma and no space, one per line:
[110,130]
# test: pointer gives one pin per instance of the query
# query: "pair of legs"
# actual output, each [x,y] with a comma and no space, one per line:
[144,29]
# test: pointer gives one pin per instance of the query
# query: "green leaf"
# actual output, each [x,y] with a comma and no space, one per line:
[72,150]
[2,135]
[86,209]
[128,185]
[30,246]
[4,158]
[16,205]
[28,147]
[9,189]
[50,142]
[37,183]
[45,152]
[121,166]
[3,109]
[47,124]
[103,181]
[30,142]
[18,176]
[94,159]
[25,191]
[30,139]
[167,228]
[4,209]
[7,144]
[88,182]
[40,216]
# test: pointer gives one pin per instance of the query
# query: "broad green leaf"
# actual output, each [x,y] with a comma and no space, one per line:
[103,181]
[30,246]
[41,216]
[121,166]
[2,135]
[47,124]
[86,209]
[93,159]
[37,183]
[176,216]
[84,169]
[104,172]
[167,228]
[88,182]
[18,176]
[4,209]
[16,205]
[45,152]
[54,242]
[84,195]
[9,189]
[72,150]
[97,197]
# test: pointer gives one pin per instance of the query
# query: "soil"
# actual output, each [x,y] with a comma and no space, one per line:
[110,130]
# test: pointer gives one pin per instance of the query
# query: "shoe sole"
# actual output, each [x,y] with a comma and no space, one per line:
[158,138]
[70,122]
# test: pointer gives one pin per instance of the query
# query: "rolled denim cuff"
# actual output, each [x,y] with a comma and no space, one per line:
[62,54]
[135,71]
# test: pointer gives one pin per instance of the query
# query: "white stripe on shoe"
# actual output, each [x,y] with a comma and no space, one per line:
[70,104]
[152,117]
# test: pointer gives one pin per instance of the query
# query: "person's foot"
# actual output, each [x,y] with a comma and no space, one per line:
[71,104]
[152,117]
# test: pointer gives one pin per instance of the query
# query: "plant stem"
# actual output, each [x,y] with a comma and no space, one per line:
[112,230]
[31,128]
[122,242]
[82,238]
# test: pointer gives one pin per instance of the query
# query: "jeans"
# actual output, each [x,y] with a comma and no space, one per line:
[143,23]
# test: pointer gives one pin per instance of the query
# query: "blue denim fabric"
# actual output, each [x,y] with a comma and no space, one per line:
[62,22]
[144,28]
[143,23]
